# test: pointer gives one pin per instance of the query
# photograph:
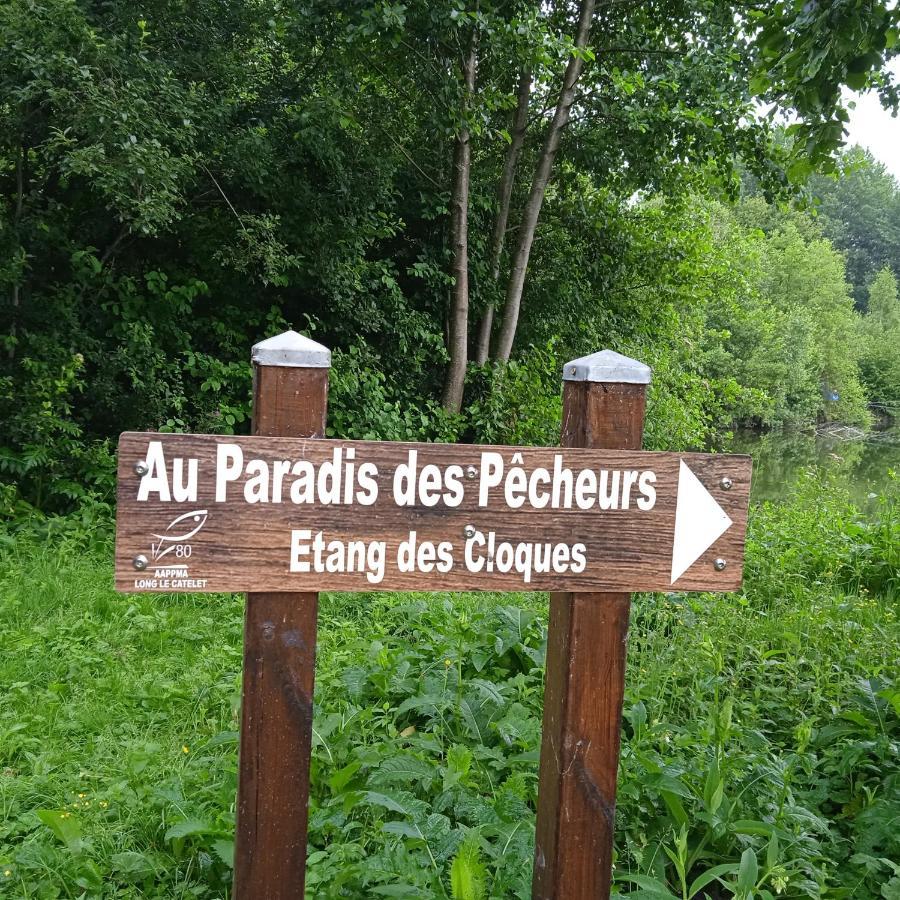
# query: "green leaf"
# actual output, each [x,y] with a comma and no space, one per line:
[398,890]
[637,715]
[459,759]
[666,782]
[675,807]
[65,826]
[404,769]
[467,873]
[748,871]
[225,851]
[772,851]
[488,690]
[89,876]
[342,777]
[652,885]
[132,866]
[470,719]
[403,829]
[401,802]
[759,84]
[224,737]
[436,827]
[751,826]
[701,881]
[186,828]
[713,779]
[717,796]
[423,701]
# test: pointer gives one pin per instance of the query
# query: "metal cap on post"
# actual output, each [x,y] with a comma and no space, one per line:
[606,366]
[290,398]
[604,398]
[291,349]
[290,386]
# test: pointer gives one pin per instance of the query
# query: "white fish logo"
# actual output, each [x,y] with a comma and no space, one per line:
[175,532]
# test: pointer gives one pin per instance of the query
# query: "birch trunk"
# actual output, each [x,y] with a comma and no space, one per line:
[539,186]
[504,194]
[458,341]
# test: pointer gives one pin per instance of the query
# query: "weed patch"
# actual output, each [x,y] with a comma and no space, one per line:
[759,757]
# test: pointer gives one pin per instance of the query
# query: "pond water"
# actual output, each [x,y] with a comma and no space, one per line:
[861,465]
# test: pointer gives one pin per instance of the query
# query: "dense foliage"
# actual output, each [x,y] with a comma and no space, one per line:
[759,754]
[743,311]
[880,361]
[177,184]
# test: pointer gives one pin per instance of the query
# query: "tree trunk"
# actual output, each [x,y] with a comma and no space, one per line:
[21,162]
[539,185]
[455,378]
[504,194]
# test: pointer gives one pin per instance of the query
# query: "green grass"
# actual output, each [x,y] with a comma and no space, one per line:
[760,745]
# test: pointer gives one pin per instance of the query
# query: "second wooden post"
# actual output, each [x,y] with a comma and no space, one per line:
[604,399]
[290,394]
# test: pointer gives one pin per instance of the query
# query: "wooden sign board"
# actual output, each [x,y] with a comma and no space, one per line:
[218,513]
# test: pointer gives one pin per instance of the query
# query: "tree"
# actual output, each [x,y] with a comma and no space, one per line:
[740,56]
[884,307]
[458,342]
[540,180]
[860,211]
[806,281]
[501,216]
[881,343]
[647,92]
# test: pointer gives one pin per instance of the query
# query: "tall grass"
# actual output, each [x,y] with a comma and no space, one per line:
[760,750]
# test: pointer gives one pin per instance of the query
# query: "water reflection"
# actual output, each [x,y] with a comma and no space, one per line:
[779,457]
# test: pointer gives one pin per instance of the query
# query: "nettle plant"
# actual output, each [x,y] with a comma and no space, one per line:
[759,751]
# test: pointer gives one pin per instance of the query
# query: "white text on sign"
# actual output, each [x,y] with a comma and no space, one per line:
[343,480]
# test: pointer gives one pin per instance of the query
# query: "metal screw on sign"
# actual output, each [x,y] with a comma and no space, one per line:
[141,468]
[719,564]
[469,531]
[140,562]
[471,472]
[726,483]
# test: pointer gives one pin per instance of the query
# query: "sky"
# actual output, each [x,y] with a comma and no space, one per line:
[872,127]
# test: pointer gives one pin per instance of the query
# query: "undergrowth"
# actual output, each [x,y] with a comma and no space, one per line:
[760,731]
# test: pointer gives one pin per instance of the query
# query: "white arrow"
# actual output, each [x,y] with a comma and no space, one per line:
[699,522]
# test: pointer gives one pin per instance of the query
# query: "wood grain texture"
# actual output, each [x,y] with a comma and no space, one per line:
[247,546]
[584,686]
[276,740]
[279,677]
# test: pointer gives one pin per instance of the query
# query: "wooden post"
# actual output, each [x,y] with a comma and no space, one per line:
[290,377]
[603,407]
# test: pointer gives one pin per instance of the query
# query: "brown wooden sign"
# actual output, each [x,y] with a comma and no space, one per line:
[219,513]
